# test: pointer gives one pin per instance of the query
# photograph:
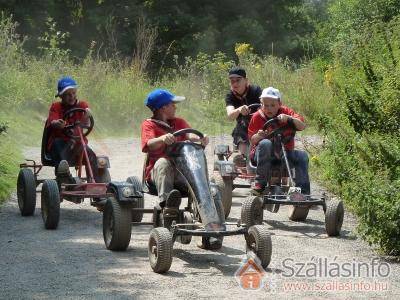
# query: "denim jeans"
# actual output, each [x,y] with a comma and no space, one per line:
[297,158]
[61,150]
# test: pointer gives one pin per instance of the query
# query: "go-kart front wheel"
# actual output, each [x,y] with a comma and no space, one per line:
[50,202]
[258,240]
[252,211]
[116,225]
[26,192]
[334,217]
[160,249]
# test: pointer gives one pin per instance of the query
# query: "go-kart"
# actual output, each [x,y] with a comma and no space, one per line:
[230,165]
[281,190]
[203,216]
[53,191]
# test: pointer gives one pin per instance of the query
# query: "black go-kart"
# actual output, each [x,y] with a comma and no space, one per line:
[203,216]
[281,190]
[53,191]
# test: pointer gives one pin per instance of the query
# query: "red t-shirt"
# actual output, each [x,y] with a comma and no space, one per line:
[57,110]
[153,129]
[258,120]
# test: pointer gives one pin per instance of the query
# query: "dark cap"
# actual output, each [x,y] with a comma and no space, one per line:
[237,72]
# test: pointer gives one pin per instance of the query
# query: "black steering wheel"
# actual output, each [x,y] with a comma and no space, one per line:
[86,126]
[253,108]
[188,130]
[279,130]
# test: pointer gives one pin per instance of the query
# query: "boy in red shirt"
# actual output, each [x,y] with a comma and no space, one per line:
[262,151]
[156,136]
[61,147]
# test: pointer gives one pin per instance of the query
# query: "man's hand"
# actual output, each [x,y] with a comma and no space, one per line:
[283,118]
[205,140]
[244,110]
[60,123]
[168,138]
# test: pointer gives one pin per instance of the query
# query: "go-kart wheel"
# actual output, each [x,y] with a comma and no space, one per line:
[50,202]
[187,219]
[116,225]
[252,211]
[258,240]
[298,213]
[160,249]
[225,187]
[334,217]
[137,216]
[26,192]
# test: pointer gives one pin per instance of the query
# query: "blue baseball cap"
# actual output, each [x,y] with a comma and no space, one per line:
[65,83]
[159,98]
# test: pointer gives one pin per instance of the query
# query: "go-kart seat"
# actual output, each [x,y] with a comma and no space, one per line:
[45,156]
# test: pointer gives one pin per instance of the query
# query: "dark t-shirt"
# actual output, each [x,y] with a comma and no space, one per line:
[242,122]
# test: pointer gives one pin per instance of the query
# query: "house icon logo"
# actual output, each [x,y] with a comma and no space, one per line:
[251,275]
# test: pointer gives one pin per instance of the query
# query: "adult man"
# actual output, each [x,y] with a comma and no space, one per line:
[241,95]
[262,151]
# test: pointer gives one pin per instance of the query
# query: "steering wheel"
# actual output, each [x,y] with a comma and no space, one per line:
[86,126]
[188,130]
[253,107]
[279,130]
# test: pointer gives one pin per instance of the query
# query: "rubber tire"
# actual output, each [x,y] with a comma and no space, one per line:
[298,213]
[187,218]
[26,192]
[259,241]
[137,216]
[225,186]
[334,217]
[161,238]
[50,204]
[252,212]
[117,227]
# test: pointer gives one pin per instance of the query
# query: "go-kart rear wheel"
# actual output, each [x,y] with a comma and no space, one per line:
[224,185]
[252,211]
[26,192]
[50,202]
[187,219]
[137,216]
[298,213]
[258,240]
[160,249]
[334,217]
[116,225]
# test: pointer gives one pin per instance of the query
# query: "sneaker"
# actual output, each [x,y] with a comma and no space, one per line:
[63,173]
[257,189]
[174,199]
[210,243]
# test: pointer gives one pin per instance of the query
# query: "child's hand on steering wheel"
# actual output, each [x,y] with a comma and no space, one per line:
[283,118]
[205,140]
[60,123]
[168,139]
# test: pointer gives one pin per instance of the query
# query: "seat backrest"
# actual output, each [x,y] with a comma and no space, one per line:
[45,156]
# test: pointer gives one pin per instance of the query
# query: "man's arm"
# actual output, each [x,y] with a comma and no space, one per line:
[233,112]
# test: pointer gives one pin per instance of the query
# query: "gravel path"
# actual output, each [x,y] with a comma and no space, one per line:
[72,261]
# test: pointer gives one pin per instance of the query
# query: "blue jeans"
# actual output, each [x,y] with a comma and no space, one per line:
[61,150]
[299,159]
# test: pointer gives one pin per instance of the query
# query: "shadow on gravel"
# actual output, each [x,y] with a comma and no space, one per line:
[227,265]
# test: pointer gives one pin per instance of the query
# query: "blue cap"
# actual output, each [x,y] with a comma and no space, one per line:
[65,83]
[159,98]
